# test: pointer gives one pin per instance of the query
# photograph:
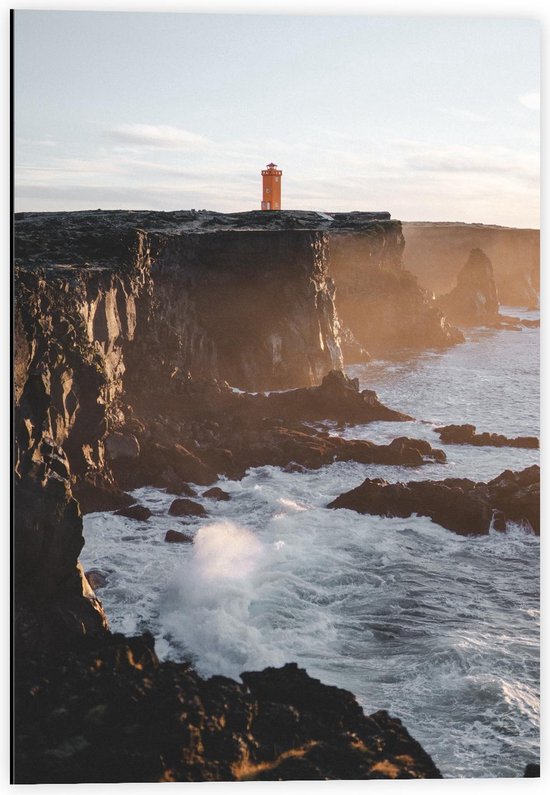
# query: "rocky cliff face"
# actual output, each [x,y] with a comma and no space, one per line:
[110,712]
[123,324]
[377,300]
[435,252]
[255,308]
[123,321]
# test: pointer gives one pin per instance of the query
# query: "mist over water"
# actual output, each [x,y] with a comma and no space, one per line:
[440,630]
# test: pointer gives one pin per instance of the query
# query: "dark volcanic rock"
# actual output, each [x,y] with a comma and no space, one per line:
[217,494]
[337,398]
[101,497]
[458,504]
[474,300]
[180,488]
[96,578]
[466,434]
[175,537]
[163,466]
[53,600]
[299,446]
[113,713]
[139,512]
[185,507]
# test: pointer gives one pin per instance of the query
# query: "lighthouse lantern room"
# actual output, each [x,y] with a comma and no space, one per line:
[271,187]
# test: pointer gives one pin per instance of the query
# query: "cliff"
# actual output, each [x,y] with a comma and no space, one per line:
[110,712]
[127,326]
[379,301]
[124,324]
[435,253]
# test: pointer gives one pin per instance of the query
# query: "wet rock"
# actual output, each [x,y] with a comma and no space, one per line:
[175,537]
[96,578]
[180,488]
[112,712]
[466,434]
[101,497]
[163,466]
[298,445]
[138,512]
[458,504]
[185,507]
[216,493]
[337,398]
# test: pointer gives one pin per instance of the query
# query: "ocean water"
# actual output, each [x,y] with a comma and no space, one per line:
[440,630]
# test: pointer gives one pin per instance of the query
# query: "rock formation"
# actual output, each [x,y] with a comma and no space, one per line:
[435,252]
[110,712]
[379,301]
[466,434]
[458,504]
[474,300]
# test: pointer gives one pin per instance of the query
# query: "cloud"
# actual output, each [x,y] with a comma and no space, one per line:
[531,100]
[160,136]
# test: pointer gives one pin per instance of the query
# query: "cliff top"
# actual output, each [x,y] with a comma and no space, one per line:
[181,221]
[464,225]
[95,238]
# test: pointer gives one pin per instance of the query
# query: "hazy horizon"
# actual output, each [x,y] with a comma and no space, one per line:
[433,119]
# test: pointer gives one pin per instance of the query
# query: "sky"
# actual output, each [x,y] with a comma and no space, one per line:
[430,118]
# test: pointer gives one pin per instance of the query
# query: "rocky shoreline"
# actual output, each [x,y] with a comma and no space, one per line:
[129,328]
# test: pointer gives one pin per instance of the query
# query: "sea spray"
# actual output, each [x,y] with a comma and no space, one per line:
[207,606]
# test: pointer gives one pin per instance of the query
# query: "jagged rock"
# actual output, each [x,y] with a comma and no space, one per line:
[53,600]
[121,445]
[97,579]
[337,398]
[458,504]
[435,252]
[185,507]
[466,434]
[101,497]
[474,300]
[299,446]
[138,512]
[111,712]
[163,466]
[175,537]
[217,494]
[381,303]
[181,488]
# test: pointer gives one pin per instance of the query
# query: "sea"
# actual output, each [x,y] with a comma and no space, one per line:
[440,630]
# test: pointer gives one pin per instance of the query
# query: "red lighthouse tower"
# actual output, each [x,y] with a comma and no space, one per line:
[271,187]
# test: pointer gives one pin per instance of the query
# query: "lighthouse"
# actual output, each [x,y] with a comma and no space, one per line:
[271,187]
